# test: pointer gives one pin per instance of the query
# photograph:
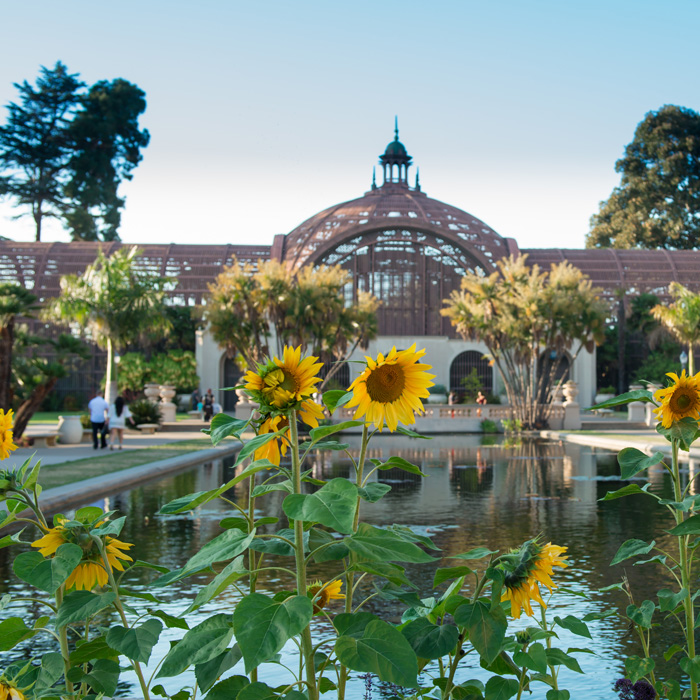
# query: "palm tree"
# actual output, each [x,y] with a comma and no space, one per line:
[116,304]
[681,318]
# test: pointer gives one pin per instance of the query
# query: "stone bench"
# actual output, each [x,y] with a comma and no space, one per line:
[44,439]
[148,428]
[195,414]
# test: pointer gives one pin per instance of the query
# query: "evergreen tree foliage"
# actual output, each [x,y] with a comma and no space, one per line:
[65,150]
[657,204]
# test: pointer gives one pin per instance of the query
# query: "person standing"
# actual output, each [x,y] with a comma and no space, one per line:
[98,408]
[119,413]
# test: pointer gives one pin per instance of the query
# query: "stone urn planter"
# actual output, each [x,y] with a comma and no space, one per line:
[70,430]
[152,392]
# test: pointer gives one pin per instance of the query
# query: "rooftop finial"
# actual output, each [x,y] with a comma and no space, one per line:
[374,178]
[418,179]
[396,128]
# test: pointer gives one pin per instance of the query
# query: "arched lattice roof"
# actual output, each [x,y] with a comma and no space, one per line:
[635,271]
[395,207]
[39,266]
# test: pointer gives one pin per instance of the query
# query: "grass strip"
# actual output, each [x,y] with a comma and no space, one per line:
[53,475]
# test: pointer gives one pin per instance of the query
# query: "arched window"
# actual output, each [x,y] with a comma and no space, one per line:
[467,362]
[341,377]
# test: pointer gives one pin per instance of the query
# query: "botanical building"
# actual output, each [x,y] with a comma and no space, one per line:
[408,249]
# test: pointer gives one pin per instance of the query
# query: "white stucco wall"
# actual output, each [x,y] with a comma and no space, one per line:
[440,353]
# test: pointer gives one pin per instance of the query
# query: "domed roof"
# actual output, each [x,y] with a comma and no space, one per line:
[394,208]
[395,148]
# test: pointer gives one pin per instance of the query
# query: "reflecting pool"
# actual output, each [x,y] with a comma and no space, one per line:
[474,494]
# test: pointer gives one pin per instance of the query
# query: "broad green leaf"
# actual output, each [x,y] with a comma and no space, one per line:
[171,621]
[374,491]
[103,677]
[636,668]
[671,690]
[632,461]
[690,526]
[476,553]
[230,573]
[331,445]
[428,640]
[668,600]
[558,694]
[200,644]
[631,548]
[573,624]
[135,643]
[499,688]
[323,431]
[412,433]
[229,688]
[48,574]
[534,658]
[685,505]
[684,430]
[208,672]
[227,545]
[381,649]
[52,669]
[636,395]
[556,657]
[272,545]
[447,574]
[222,426]
[12,632]
[333,505]
[77,606]
[262,691]
[391,572]
[193,500]
[94,649]
[352,624]
[641,615]
[111,527]
[89,514]
[486,626]
[691,667]
[263,625]
[262,489]
[9,540]
[376,544]
[398,463]
[672,651]
[335,398]
[628,490]
[406,533]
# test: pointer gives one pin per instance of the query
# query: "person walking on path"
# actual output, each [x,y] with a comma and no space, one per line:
[119,413]
[98,408]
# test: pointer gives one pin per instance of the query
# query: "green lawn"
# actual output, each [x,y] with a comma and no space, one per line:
[52,416]
[68,472]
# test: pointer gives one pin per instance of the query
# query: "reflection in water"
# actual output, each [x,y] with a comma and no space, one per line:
[472,495]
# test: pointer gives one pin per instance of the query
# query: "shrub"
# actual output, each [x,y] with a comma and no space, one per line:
[488,426]
[143,411]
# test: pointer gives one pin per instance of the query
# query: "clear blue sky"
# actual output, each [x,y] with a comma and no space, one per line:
[262,114]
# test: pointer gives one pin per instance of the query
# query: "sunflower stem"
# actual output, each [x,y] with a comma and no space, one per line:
[306,642]
[685,566]
[349,576]
[253,578]
[120,609]
[63,642]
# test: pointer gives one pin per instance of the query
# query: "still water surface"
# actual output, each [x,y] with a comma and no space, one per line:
[474,495]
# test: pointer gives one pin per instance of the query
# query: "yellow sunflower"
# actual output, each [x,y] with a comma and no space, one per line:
[531,565]
[90,571]
[389,390]
[322,594]
[282,384]
[8,692]
[309,412]
[680,400]
[7,444]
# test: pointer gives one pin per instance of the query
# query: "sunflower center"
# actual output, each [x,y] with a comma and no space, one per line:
[386,383]
[289,383]
[681,401]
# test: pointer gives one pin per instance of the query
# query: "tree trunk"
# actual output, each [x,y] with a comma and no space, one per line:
[6,342]
[111,390]
[30,406]
[691,360]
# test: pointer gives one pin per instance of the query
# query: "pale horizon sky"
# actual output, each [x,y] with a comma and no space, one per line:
[263,114]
